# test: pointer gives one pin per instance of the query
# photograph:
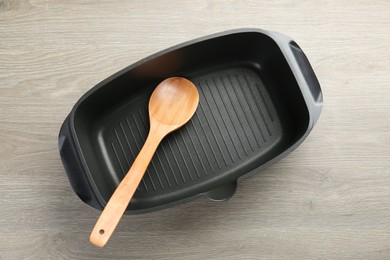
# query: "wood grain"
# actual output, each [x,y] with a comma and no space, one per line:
[330,199]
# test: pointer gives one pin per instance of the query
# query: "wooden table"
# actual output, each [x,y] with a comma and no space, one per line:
[330,199]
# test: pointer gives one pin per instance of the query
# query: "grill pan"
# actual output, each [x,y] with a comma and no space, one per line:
[259,99]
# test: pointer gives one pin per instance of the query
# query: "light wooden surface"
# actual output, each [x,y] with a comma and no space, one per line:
[171,105]
[330,199]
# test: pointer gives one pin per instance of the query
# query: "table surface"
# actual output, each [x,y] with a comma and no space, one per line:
[329,199]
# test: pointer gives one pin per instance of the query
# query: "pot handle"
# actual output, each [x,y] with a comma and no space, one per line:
[304,74]
[309,84]
[73,167]
[307,71]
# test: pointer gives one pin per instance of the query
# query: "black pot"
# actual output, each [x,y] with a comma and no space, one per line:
[259,99]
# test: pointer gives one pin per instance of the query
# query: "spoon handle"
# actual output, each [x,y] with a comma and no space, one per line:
[120,199]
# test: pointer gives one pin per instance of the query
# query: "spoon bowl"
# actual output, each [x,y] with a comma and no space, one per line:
[173,102]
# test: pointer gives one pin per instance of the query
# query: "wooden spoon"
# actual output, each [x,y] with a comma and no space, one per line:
[171,105]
